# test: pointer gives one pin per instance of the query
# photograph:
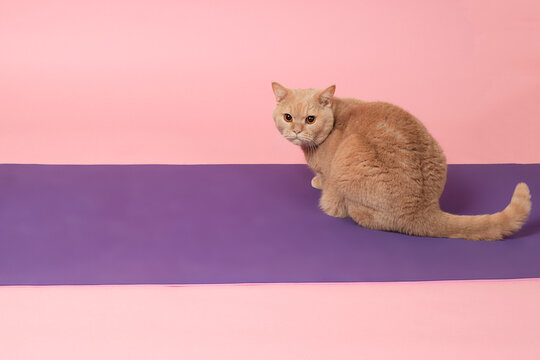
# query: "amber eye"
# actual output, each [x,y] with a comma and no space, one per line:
[287,117]
[310,119]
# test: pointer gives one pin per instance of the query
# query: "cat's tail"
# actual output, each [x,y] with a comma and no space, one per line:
[486,227]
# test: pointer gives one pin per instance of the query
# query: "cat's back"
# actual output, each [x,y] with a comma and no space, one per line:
[379,115]
[384,124]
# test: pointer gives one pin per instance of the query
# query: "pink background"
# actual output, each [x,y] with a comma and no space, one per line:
[158,81]
[495,320]
[183,82]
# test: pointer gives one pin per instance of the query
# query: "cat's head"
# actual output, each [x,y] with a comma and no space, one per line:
[304,116]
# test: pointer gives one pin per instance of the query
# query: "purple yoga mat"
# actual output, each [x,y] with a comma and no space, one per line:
[158,224]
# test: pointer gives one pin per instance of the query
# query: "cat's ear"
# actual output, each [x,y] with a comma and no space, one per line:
[325,96]
[280,91]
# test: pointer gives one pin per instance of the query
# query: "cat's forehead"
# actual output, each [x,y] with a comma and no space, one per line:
[302,101]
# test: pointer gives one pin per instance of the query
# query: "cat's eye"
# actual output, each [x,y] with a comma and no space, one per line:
[310,119]
[287,117]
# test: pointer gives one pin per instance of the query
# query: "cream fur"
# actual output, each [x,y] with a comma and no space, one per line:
[377,164]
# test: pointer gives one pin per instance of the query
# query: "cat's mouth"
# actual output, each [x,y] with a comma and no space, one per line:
[297,139]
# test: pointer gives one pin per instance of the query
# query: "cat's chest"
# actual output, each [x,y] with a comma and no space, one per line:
[315,162]
[319,160]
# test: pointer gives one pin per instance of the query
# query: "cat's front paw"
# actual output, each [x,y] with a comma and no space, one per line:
[316,182]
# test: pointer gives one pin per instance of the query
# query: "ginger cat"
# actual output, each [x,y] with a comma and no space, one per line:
[377,164]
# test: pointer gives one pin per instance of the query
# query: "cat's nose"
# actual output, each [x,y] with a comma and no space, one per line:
[297,131]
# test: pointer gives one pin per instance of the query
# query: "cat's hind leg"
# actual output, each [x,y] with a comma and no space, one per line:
[332,203]
[366,217]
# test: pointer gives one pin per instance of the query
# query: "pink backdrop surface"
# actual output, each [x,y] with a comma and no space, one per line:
[465,320]
[182,82]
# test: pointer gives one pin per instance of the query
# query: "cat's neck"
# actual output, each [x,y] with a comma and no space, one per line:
[341,107]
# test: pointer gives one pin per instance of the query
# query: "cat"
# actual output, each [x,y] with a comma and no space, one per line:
[377,164]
